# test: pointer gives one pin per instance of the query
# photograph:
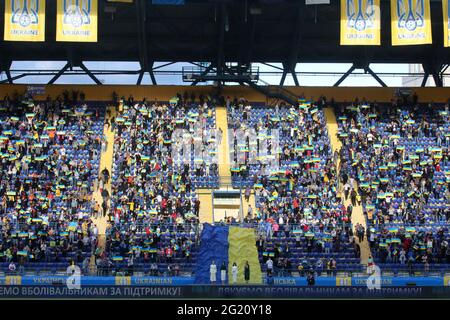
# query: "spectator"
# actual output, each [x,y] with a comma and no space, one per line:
[247,272]
[213,272]
[234,272]
[223,273]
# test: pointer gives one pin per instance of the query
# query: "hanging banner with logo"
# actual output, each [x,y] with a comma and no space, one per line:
[410,22]
[446,22]
[24,20]
[76,20]
[360,22]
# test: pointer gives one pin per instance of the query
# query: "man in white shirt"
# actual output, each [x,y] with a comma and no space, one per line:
[269,264]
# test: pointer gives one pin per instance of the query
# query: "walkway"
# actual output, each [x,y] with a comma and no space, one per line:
[224,148]
[357,214]
[106,161]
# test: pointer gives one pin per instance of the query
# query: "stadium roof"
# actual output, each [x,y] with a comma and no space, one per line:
[220,31]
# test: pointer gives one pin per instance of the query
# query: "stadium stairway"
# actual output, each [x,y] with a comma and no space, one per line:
[224,149]
[205,195]
[106,161]
[357,213]
[225,173]
[206,206]
[220,212]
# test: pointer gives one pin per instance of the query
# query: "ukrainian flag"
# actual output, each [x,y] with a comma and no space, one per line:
[224,244]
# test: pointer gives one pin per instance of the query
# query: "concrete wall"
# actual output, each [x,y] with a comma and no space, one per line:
[340,94]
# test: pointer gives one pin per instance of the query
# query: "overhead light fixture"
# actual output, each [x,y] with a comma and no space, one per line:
[255,11]
[110,9]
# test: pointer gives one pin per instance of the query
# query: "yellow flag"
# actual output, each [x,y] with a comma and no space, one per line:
[24,20]
[360,22]
[446,13]
[76,20]
[410,22]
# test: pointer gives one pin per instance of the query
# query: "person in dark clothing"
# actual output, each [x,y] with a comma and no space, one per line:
[105,208]
[311,280]
[247,272]
[353,195]
[106,175]
[223,273]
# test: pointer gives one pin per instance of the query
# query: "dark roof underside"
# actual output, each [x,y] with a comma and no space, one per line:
[191,32]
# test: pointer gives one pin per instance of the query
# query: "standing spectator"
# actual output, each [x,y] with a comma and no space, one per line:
[213,272]
[353,195]
[247,272]
[223,273]
[234,272]
[311,280]
[269,264]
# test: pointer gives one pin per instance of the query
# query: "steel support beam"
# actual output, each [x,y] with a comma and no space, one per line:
[283,77]
[8,76]
[344,76]
[437,80]
[90,74]
[11,80]
[425,78]
[139,80]
[375,76]
[5,65]
[247,37]
[152,76]
[60,73]
[220,48]
[434,68]
[204,73]
[144,61]
[163,65]
[272,66]
[291,63]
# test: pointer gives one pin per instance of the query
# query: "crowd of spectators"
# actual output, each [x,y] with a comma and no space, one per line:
[398,155]
[162,153]
[284,154]
[50,153]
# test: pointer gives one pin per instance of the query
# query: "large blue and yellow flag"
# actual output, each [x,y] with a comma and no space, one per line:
[360,22]
[410,22]
[24,20]
[76,20]
[228,245]
[446,22]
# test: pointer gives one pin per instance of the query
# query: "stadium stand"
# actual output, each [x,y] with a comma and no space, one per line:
[50,161]
[398,155]
[393,161]
[302,223]
[154,201]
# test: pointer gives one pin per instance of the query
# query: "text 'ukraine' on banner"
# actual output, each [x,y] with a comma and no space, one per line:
[410,22]
[24,20]
[360,22]
[76,21]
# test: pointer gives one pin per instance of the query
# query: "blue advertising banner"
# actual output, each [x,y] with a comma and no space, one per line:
[188,281]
